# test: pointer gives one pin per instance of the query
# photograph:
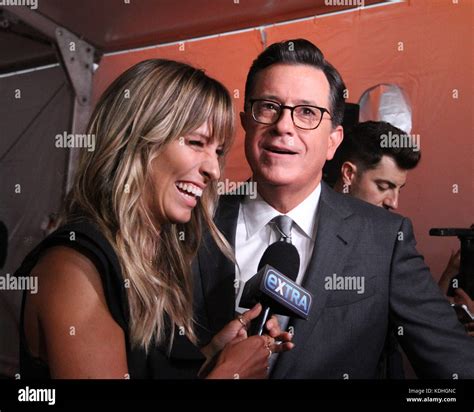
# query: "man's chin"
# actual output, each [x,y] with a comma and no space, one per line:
[275,178]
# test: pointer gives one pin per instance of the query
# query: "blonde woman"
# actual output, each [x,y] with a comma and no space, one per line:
[115,292]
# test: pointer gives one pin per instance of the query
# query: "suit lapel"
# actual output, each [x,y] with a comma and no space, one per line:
[333,240]
[218,272]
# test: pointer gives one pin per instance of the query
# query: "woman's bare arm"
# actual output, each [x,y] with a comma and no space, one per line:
[79,336]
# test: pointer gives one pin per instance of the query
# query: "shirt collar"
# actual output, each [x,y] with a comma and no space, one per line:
[257,213]
[304,215]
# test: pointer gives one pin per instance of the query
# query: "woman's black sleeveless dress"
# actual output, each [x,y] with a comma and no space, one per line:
[183,361]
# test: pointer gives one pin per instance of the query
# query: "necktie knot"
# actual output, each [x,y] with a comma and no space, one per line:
[283,225]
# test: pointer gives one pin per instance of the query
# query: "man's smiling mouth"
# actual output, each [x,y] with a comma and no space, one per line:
[279,150]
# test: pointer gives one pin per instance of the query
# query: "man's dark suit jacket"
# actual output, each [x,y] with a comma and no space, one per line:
[346,331]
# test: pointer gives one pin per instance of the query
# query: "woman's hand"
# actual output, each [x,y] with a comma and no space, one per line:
[243,359]
[237,328]
[232,354]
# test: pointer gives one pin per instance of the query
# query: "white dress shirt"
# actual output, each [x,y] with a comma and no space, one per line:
[254,234]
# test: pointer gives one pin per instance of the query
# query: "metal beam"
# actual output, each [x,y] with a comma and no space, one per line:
[77,58]
[34,19]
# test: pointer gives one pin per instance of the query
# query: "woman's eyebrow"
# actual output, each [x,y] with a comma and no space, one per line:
[203,135]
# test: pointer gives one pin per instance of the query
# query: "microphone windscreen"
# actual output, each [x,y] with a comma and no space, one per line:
[284,257]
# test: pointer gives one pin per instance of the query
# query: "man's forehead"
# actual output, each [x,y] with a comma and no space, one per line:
[387,169]
[302,84]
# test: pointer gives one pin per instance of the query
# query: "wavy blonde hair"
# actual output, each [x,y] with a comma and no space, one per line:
[147,107]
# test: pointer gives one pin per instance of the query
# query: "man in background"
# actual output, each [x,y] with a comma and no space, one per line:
[376,172]
[370,170]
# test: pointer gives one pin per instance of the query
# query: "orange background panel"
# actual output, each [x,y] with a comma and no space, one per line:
[226,58]
[437,42]
[364,46]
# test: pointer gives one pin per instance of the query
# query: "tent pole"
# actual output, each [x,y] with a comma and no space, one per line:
[78,61]
[77,58]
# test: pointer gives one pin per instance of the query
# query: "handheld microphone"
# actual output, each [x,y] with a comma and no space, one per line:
[275,288]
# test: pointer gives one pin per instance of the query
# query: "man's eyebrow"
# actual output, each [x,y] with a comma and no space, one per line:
[298,102]
[388,182]
[308,102]
[270,97]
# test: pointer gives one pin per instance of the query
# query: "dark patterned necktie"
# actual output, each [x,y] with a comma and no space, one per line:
[283,225]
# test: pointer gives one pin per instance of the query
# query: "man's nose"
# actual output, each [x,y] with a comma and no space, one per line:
[285,124]
[391,200]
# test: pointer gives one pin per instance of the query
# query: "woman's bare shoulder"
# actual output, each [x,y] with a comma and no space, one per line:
[75,320]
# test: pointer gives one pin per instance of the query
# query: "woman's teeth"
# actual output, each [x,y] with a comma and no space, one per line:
[190,189]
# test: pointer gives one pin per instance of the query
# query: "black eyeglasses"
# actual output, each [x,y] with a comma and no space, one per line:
[304,116]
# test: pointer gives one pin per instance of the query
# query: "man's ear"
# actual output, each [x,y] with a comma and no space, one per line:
[348,172]
[335,139]
[244,120]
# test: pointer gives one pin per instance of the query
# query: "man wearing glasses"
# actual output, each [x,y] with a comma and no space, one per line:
[292,119]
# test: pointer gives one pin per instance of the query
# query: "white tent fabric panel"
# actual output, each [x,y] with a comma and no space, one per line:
[34,108]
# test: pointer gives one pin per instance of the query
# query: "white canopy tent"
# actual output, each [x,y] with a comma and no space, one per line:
[49,50]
